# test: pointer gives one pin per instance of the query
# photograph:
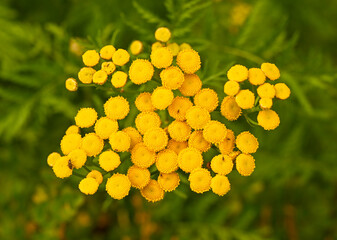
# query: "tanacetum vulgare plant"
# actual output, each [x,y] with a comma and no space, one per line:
[172,126]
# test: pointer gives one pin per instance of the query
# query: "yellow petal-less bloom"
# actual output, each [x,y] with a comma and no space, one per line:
[179,107]
[120,57]
[86,117]
[198,141]
[107,52]
[176,146]
[70,142]
[214,131]
[179,131]
[282,91]
[139,177]
[86,74]
[189,61]
[220,185]
[119,79]
[266,103]
[52,158]
[96,175]
[100,77]
[266,90]
[108,67]
[185,46]
[161,57]
[174,47]
[191,85]
[189,159]
[156,45]
[206,98]
[227,145]
[116,108]
[231,88]
[197,117]
[169,181]
[62,168]
[155,139]
[90,58]
[152,192]
[141,71]
[246,142]
[172,77]
[142,157]
[167,161]
[230,109]
[222,164]
[256,76]
[71,85]
[271,71]
[109,160]
[245,164]
[162,34]
[92,144]
[147,120]
[105,126]
[136,47]
[118,186]
[161,98]
[120,141]
[134,135]
[88,186]
[268,119]
[143,102]
[73,129]
[200,180]
[245,99]
[237,73]
[78,157]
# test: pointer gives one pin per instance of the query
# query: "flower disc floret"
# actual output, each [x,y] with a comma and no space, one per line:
[142,157]
[152,192]
[200,180]
[109,160]
[245,99]
[189,61]
[143,102]
[161,57]
[230,109]
[197,117]
[120,141]
[92,144]
[214,131]
[245,164]
[256,76]
[237,73]
[70,142]
[162,34]
[198,141]
[172,77]
[268,119]
[90,58]
[86,117]
[155,139]
[191,85]
[105,126]
[169,181]
[222,164]
[147,120]
[116,108]
[189,159]
[78,157]
[179,107]
[271,71]
[220,185]
[282,91]
[107,52]
[120,57]
[161,98]
[88,186]
[139,177]
[231,88]
[206,98]
[141,71]
[119,79]
[118,186]
[179,131]
[167,161]
[85,75]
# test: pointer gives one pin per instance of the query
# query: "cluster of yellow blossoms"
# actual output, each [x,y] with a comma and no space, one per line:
[173,128]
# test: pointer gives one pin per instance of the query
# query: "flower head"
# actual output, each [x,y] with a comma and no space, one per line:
[86,117]
[162,34]
[70,142]
[120,141]
[78,157]
[266,90]
[100,77]
[134,135]
[176,146]
[139,177]
[268,119]
[189,61]
[109,160]
[271,71]
[191,85]
[61,167]
[141,71]
[227,145]
[245,164]
[230,109]
[108,67]
[231,88]
[88,186]
[116,108]
[143,102]
[245,99]
[169,181]
[214,131]
[107,52]
[179,107]
[167,161]
[246,142]
[105,126]
[179,131]
[86,74]
[200,180]
[220,185]
[282,91]
[161,57]
[92,144]
[118,186]
[120,57]
[152,192]
[136,47]
[189,159]
[119,79]
[96,175]
[206,98]
[197,140]
[256,76]
[197,117]
[161,98]
[222,164]
[147,120]
[155,139]
[71,85]
[237,73]
[52,158]
[172,77]
[90,58]
[142,157]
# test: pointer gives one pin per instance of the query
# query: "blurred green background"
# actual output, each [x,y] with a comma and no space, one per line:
[291,195]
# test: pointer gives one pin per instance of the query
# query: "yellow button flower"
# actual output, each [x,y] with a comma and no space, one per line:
[71,85]
[231,88]
[246,142]
[136,47]
[105,126]
[167,161]
[139,177]
[191,85]
[185,46]
[179,131]
[134,135]
[161,57]
[86,117]
[266,103]
[109,160]
[176,146]
[172,77]
[70,142]
[237,73]
[147,120]
[73,129]
[200,180]
[245,164]
[169,181]
[162,34]
[116,108]
[143,102]
[96,175]
[282,91]
[222,164]
[88,186]
[174,47]
[189,61]
[152,192]
[120,141]
[198,141]
[227,145]
[245,99]
[119,79]
[142,157]
[51,160]
[220,185]
[189,159]
[266,90]
[78,157]
[108,67]
[156,45]
[271,71]
[100,77]
[206,98]
[214,131]
[92,144]
[155,139]
[62,167]
[268,119]
[120,57]
[256,76]
[197,117]
[161,98]
[86,74]
[230,109]
[107,52]
[118,186]
[179,107]
[141,71]
[90,58]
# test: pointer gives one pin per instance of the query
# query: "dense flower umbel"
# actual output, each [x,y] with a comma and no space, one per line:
[148,140]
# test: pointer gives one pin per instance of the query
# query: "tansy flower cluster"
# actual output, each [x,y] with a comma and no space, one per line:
[164,142]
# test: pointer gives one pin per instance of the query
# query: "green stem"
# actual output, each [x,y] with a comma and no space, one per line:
[86,168]
[78,175]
